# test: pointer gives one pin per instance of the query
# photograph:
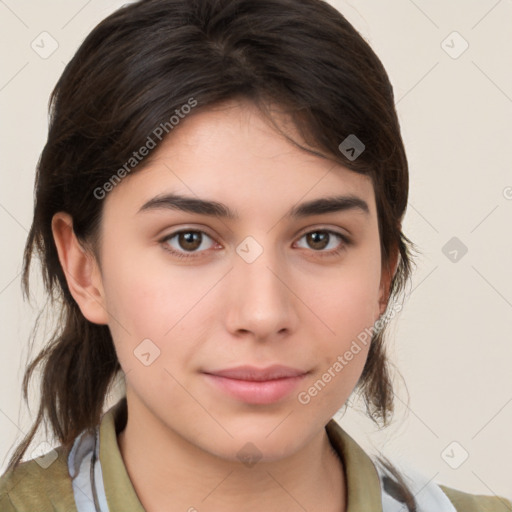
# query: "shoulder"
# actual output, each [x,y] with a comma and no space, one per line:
[41,484]
[465,502]
[429,495]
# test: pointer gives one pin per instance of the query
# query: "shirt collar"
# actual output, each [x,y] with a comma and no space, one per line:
[363,484]
[118,487]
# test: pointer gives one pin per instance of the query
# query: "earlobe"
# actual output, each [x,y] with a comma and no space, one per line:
[81,270]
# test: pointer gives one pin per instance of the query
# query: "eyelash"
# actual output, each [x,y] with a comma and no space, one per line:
[323,254]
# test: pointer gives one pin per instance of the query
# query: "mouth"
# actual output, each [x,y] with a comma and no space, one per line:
[256,385]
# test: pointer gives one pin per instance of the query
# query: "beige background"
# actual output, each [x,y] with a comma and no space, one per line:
[452,341]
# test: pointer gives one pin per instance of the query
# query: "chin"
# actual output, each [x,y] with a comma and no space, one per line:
[255,445]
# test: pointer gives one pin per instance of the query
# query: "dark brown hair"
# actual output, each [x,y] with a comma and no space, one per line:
[130,75]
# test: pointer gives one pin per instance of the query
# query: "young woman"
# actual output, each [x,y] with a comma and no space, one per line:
[218,210]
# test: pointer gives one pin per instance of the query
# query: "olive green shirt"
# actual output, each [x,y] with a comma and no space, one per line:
[32,488]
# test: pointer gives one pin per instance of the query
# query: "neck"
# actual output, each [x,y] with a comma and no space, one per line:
[169,473]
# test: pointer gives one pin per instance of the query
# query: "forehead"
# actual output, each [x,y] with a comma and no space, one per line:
[232,154]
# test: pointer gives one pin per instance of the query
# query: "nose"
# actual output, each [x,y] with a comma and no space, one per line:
[260,300]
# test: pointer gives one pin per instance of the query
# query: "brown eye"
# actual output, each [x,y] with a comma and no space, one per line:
[189,240]
[318,239]
[325,243]
[185,241]
[321,239]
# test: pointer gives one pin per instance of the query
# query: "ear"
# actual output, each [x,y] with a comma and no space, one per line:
[81,270]
[387,274]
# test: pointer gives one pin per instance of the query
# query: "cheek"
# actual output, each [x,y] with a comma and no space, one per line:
[150,298]
[346,306]
[342,358]
[169,306]
[331,386]
[347,302]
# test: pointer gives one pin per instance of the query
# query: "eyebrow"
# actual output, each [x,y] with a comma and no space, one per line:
[196,205]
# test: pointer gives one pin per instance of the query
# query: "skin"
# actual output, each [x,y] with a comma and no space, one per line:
[290,306]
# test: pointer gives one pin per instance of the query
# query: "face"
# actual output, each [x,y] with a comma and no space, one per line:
[191,294]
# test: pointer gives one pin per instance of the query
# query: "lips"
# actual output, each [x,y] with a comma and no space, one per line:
[256,385]
[252,373]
